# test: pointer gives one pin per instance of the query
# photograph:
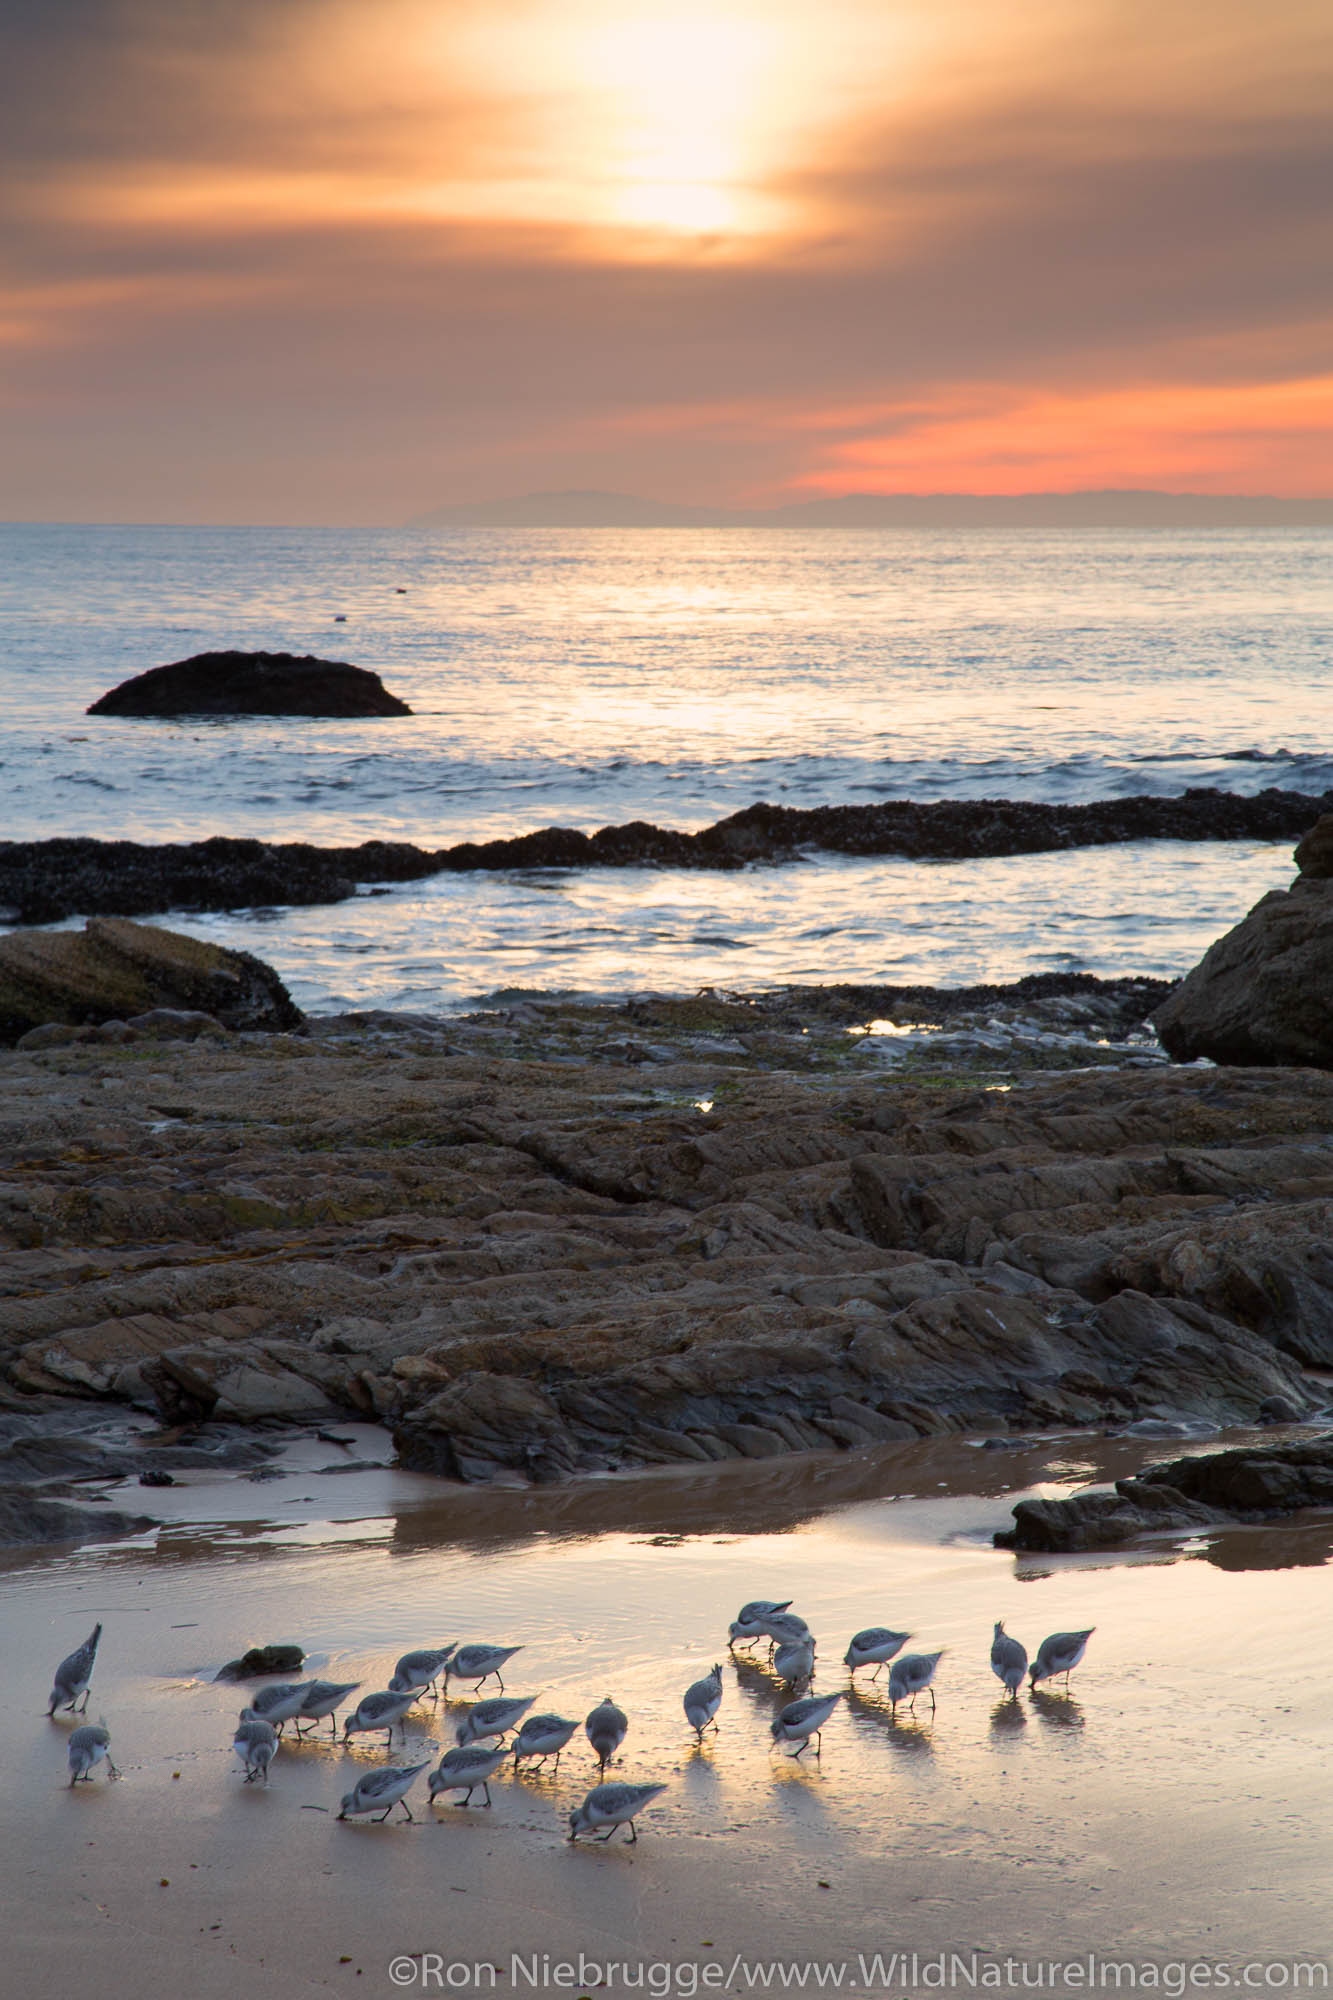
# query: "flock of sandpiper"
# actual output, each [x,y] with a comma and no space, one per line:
[494,1728]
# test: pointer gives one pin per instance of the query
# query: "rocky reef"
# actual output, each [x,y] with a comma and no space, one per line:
[571,1239]
[252,684]
[42,881]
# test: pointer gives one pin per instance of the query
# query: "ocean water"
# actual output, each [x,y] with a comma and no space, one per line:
[582,678]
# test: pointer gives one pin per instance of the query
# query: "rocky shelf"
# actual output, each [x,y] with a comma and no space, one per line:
[42,881]
[233,683]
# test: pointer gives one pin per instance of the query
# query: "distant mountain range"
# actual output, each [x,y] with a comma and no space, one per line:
[1110,508]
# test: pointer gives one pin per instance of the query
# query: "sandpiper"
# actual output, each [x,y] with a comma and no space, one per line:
[74,1674]
[386,1787]
[605,1729]
[611,1806]
[1008,1659]
[702,1700]
[1059,1654]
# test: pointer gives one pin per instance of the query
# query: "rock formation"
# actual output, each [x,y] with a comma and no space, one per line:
[252,684]
[116,971]
[1264,992]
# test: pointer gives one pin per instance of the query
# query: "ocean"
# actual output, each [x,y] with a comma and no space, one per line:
[589,677]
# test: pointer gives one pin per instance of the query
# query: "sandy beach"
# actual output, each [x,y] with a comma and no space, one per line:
[1170,1809]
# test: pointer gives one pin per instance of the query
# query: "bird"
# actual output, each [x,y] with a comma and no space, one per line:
[495,1717]
[800,1720]
[379,1711]
[278,1704]
[783,1627]
[88,1746]
[419,1670]
[605,1728]
[465,1769]
[478,1664]
[876,1643]
[1008,1659]
[257,1742]
[702,1700]
[74,1674]
[748,1626]
[543,1736]
[910,1675]
[744,1635]
[611,1806]
[1059,1654]
[324,1697]
[795,1661]
[386,1787]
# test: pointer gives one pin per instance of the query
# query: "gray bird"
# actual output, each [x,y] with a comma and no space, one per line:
[87,1747]
[379,1711]
[256,1742]
[74,1674]
[543,1736]
[910,1675]
[611,1806]
[702,1700]
[386,1787]
[324,1697]
[495,1717]
[800,1720]
[795,1662]
[478,1664]
[278,1704]
[465,1768]
[419,1670]
[1059,1654]
[1008,1659]
[605,1729]
[876,1644]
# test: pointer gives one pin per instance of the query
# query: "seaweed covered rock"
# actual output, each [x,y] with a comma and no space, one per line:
[252,684]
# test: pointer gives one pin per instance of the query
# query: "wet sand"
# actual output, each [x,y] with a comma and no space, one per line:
[1172,1807]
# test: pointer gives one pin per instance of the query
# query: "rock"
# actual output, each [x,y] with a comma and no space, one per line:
[27,1517]
[252,684]
[1260,994]
[258,1660]
[114,969]
[1216,1489]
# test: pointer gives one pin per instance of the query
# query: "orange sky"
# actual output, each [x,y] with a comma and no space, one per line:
[327,260]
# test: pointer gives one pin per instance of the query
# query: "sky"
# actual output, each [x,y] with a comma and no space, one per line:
[348,260]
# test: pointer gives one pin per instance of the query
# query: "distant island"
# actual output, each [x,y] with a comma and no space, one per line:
[1110,508]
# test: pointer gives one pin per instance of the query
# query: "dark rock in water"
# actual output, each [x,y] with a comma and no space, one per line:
[156,1479]
[27,1517]
[252,684]
[1261,993]
[114,969]
[1217,1489]
[258,1660]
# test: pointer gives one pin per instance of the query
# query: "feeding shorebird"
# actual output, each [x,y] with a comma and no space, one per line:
[910,1675]
[280,1703]
[784,1628]
[465,1768]
[605,1729]
[74,1675]
[1008,1659]
[257,1743]
[1059,1654]
[795,1662]
[88,1746]
[379,1711]
[702,1700]
[749,1625]
[387,1787]
[800,1720]
[478,1664]
[419,1670]
[324,1697]
[878,1644]
[543,1736]
[495,1717]
[611,1806]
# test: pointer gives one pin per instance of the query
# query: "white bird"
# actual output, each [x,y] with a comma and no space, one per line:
[761,1607]
[795,1661]
[702,1701]
[495,1717]
[386,1787]
[419,1670]
[800,1720]
[87,1747]
[478,1664]
[744,1635]
[1008,1659]
[612,1806]
[379,1711]
[543,1736]
[1059,1654]
[877,1643]
[784,1627]
[324,1697]
[466,1768]
[910,1675]
[280,1703]
[605,1728]
[74,1674]
[257,1743]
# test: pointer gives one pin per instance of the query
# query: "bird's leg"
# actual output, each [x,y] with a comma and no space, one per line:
[632,1834]
[88,1690]
[486,1788]
[804,1747]
[383,1816]
[604,1837]
[111,1768]
[406,1808]
[931,1693]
